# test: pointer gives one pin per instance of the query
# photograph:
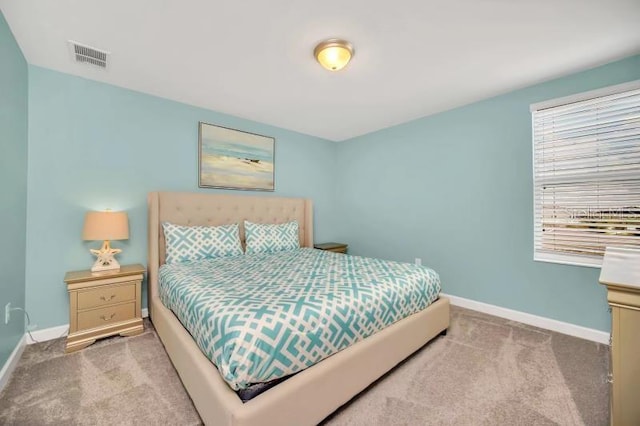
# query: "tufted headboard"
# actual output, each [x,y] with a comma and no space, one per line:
[186,208]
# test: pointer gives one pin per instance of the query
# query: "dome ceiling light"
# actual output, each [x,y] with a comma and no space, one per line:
[334,54]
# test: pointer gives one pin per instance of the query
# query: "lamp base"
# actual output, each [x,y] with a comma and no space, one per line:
[105,260]
[99,267]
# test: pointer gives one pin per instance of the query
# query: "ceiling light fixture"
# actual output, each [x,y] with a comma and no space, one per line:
[334,54]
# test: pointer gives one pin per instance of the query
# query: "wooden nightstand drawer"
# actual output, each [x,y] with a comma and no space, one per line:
[619,297]
[106,295]
[105,316]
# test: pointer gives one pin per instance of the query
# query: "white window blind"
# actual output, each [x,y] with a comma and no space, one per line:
[586,165]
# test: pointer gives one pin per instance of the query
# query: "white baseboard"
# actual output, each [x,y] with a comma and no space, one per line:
[47,334]
[523,317]
[530,319]
[11,362]
[58,331]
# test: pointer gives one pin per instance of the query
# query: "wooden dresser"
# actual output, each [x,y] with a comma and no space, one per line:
[102,304]
[625,354]
[621,274]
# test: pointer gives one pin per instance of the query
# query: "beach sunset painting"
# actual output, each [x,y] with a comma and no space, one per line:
[233,159]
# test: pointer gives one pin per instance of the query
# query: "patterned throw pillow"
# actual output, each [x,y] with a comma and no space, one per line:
[189,243]
[267,238]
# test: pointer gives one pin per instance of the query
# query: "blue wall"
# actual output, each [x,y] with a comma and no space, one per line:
[96,146]
[455,189]
[13,186]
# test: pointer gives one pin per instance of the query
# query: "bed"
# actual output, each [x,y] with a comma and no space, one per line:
[313,393]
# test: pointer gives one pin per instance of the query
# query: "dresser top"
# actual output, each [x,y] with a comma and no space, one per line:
[621,267]
[87,275]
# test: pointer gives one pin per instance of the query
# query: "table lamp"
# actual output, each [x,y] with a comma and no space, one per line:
[106,226]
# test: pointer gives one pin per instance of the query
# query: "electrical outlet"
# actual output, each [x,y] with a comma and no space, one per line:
[7,313]
[418,261]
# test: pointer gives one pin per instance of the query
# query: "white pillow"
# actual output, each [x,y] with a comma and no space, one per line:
[271,238]
[189,243]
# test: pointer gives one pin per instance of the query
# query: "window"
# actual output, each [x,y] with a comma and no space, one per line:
[586,174]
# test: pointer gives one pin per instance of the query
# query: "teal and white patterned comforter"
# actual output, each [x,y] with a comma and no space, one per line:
[265,316]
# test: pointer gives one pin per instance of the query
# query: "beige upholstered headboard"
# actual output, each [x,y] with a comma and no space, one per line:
[186,208]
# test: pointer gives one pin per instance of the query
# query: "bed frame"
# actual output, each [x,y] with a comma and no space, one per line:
[309,396]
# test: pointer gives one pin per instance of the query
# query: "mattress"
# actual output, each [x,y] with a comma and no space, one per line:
[263,317]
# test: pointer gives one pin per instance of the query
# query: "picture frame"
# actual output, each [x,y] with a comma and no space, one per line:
[235,159]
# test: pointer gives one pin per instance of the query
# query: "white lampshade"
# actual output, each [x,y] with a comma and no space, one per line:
[106,225]
[621,266]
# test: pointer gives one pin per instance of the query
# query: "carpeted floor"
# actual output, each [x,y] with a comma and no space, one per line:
[115,381]
[486,371]
[490,371]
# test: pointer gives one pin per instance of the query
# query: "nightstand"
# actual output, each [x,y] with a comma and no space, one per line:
[334,247]
[102,304]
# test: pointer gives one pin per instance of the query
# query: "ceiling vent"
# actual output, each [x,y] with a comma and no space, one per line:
[88,55]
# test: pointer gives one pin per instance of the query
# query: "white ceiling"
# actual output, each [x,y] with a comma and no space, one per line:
[253,58]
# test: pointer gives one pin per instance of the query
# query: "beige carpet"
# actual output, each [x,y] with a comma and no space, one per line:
[490,371]
[116,381]
[486,371]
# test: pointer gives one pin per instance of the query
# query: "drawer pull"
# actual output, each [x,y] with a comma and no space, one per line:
[104,317]
[104,299]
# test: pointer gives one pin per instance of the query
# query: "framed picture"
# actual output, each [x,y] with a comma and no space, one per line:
[233,159]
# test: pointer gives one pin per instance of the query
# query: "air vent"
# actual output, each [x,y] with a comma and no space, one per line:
[88,55]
